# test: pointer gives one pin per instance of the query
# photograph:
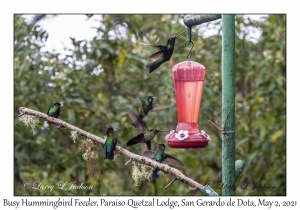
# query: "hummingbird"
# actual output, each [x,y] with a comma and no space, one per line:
[160,156]
[110,144]
[54,111]
[149,106]
[163,54]
[145,134]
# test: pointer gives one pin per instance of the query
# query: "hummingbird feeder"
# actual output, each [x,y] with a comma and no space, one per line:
[188,79]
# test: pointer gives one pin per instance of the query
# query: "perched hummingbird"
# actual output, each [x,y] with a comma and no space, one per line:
[110,144]
[149,106]
[146,135]
[159,155]
[54,111]
[163,55]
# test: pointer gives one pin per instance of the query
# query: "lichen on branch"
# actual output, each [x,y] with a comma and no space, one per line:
[90,157]
[140,172]
[30,120]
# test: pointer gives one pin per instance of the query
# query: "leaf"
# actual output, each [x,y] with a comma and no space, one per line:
[276,135]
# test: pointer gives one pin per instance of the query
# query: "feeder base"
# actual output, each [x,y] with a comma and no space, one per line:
[193,141]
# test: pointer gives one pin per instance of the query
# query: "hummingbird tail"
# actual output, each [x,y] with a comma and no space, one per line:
[155,174]
[148,145]
[109,155]
[153,66]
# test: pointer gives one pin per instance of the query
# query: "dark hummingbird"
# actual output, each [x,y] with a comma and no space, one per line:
[54,111]
[149,106]
[163,54]
[146,134]
[110,144]
[160,156]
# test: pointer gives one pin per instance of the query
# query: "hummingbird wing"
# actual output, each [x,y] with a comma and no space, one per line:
[135,140]
[169,159]
[110,154]
[158,107]
[114,144]
[158,58]
[157,55]
[141,102]
[53,113]
[159,47]
[149,154]
[138,123]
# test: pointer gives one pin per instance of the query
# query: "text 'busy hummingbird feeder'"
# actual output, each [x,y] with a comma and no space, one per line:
[188,83]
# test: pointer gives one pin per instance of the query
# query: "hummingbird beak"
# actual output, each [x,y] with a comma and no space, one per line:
[179,34]
[155,142]
[163,131]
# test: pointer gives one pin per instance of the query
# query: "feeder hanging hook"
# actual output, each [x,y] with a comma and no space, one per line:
[189,40]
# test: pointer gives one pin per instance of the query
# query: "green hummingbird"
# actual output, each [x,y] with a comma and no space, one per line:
[163,54]
[160,156]
[110,144]
[146,134]
[54,111]
[149,106]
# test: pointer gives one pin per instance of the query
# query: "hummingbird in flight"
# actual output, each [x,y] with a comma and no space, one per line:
[54,111]
[110,144]
[163,54]
[149,106]
[160,156]
[145,134]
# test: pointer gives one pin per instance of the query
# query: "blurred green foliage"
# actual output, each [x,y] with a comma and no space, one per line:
[98,81]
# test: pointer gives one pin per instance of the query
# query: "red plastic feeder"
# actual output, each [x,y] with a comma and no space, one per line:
[188,82]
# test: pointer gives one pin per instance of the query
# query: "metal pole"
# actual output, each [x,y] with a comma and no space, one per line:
[231,170]
[192,20]
[228,106]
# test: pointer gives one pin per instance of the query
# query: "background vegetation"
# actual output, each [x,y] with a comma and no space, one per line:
[99,79]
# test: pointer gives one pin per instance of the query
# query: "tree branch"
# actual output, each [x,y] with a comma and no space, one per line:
[143,160]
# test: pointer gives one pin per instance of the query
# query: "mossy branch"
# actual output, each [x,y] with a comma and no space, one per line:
[140,159]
